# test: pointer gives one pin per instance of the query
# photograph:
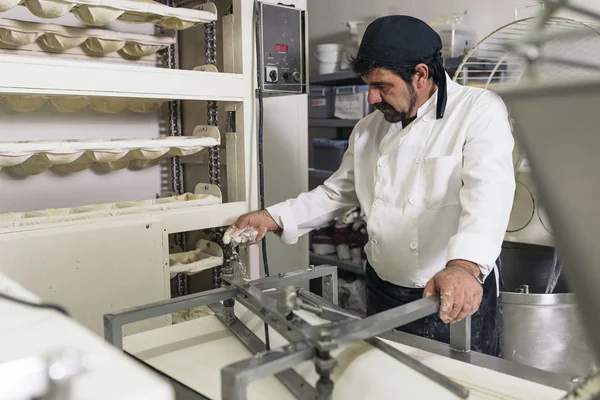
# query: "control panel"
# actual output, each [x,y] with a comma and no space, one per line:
[282,48]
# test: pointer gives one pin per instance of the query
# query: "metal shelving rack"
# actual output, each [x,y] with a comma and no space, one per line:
[337,78]
[29,76]
[347,266]
[233,85]
[342,126]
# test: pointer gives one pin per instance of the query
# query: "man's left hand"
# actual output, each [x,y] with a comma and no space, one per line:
[459,289]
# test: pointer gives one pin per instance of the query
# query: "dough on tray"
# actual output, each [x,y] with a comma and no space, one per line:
[63,158]
[59,42]
[52,38]
[136,50]
[49,8]
[111,166]
[69,104]
[13,37]
[97,15]
[103,12]
[106,105]
[24,103]
[177,24]
[33,166]
[72,168]
[143,106]
[6,5]
[103,46]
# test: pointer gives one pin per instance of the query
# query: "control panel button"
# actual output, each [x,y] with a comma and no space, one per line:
[296,75]
[287,76]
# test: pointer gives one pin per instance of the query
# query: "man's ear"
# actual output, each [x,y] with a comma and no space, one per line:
[422,75]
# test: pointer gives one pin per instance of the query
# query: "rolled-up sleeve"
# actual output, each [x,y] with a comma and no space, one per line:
[310,210]
[487,194]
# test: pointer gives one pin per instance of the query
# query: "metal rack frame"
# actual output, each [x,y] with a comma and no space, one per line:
[307,342]
[233,87]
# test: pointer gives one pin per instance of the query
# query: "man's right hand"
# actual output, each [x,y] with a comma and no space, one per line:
[250,228]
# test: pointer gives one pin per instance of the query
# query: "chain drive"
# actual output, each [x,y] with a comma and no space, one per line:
[175,163]
[214,162]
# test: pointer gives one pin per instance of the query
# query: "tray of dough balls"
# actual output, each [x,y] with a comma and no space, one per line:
[56,38]
[210,196]
[68,156]
[207,255]
[103,12]
[110,105]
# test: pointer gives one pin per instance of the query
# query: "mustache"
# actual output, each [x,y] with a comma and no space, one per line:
[383,106]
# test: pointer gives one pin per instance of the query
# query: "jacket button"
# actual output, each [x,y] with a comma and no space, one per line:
[414,245]
[378,203]
[373,242]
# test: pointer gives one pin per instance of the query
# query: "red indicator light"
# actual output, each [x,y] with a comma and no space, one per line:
[281,47]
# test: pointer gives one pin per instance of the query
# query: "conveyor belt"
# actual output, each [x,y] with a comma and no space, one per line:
[182,392]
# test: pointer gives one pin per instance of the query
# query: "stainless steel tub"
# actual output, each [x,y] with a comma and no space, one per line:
[544,331]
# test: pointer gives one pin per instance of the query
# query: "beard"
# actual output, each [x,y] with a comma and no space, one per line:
[392,115]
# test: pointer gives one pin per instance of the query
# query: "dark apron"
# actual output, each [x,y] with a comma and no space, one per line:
[486,327]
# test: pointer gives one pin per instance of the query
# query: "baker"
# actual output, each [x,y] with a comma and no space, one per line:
[432,170]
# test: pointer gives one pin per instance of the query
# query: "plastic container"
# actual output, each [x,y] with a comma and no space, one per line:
[320,103]
[351,44]
[458,38]
[329,56]
[352,102]
[328,153]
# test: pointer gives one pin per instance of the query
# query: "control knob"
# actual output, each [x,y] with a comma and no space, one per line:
[273,76]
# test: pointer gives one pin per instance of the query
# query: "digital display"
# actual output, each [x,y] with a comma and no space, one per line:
[281,47]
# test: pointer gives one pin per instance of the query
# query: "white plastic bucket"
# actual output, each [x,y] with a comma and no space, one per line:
[330,53]
[328,68]
[329,56]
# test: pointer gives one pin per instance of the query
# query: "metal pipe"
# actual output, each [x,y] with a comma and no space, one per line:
[113,323]
[289,378]
[357,330]
[379,344]
[235,378]
[423,369]
[460,335]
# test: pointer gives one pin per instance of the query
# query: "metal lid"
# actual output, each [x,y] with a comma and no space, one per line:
[539,299]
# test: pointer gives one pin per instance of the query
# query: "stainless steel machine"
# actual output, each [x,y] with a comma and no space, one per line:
[307,342]
[276,301]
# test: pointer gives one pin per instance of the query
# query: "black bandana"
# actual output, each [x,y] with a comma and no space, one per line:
[400,40]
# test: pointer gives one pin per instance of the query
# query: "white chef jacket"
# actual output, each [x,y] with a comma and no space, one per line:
[433,191]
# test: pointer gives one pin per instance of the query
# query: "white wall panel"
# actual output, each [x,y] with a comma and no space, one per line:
[92,268]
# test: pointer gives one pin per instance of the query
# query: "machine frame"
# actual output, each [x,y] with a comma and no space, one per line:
[274,299]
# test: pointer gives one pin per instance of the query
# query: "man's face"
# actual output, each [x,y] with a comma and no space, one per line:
[391,95]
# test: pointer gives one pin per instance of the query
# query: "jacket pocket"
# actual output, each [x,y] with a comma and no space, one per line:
[442,181]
